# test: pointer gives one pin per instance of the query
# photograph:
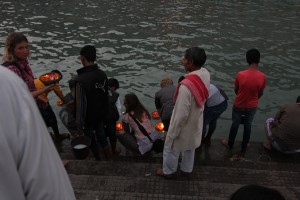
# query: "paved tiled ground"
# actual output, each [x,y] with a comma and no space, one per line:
[216,175]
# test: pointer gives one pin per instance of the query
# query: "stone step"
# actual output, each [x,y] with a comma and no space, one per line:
[119,187]
[140,187]
[221,174]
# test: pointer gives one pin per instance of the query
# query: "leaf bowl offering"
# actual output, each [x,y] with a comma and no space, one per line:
[50,78]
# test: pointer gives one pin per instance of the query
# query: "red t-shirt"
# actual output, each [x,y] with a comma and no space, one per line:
[249,82]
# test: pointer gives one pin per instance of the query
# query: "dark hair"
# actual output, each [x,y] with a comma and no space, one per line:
[112,82]
[196,56]
[134,104]
[298,99]
[181,78]
[256,192]
[89,52]
[253,56]
[11,42]
[58,72]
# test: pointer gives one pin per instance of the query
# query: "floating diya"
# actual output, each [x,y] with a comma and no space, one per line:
[155,115]
[50,78]
[119,126]
[159,126]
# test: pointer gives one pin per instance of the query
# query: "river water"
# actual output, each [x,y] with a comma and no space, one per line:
[140,41]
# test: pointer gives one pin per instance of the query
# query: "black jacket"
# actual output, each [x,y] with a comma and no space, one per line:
[93,83]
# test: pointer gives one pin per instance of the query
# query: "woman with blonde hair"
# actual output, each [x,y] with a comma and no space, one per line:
[15,58]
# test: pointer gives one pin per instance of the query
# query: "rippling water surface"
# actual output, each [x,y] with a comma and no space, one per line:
[139,42]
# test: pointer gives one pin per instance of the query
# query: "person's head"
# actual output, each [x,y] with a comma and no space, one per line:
[256,192]
[193,58]
[88,54]
[253,56]
[166,81]
[113,84]
[57,71]
[132,103]
[16,47]
[298,99]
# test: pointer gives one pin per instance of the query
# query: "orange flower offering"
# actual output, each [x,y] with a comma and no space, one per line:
[159,126]
[155,115]
[59,102]
[50,78]
[119,126]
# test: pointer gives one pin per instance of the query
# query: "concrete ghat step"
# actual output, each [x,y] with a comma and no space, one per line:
[94,167]
[119,187]
[266,176]
[99,195]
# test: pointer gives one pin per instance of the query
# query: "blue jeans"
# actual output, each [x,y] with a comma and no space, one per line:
[237,115]
[96,134]
[211,115]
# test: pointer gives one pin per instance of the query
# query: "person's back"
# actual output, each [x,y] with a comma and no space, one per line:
[286,127]
[248,87]
[164,102]
[250,83]
[95,86]
[30,167]
[91,100]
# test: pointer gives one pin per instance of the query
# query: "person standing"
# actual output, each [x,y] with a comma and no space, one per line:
[164,102]
[30,167]
[15,58]
[91,100]
[185,130]
[249,86]
[114,114]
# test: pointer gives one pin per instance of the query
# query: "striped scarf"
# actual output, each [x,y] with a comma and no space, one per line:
[197,88]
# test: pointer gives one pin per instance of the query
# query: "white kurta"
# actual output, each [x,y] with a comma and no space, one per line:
[30,167]
[185,131]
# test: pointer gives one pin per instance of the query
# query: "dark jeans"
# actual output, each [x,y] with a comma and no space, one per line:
[96,134]
[248,115]
[211,115]
[110,131]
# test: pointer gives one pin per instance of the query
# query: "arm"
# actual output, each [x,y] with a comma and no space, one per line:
[57,90]
[43,90]
[261,91]
[157,104]
[236,85]
[180,112]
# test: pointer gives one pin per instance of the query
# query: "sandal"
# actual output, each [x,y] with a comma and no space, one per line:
[159,172]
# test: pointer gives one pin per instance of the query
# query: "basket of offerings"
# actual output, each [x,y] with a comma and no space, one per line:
[51,77]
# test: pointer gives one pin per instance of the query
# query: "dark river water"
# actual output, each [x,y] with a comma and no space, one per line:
[140,41]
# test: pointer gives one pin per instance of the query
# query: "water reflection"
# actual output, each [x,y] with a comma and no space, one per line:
[138,42]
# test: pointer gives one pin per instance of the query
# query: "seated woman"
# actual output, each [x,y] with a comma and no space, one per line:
[136,142]
[283,131]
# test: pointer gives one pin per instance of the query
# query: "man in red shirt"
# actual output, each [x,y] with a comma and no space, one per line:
[249,87]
